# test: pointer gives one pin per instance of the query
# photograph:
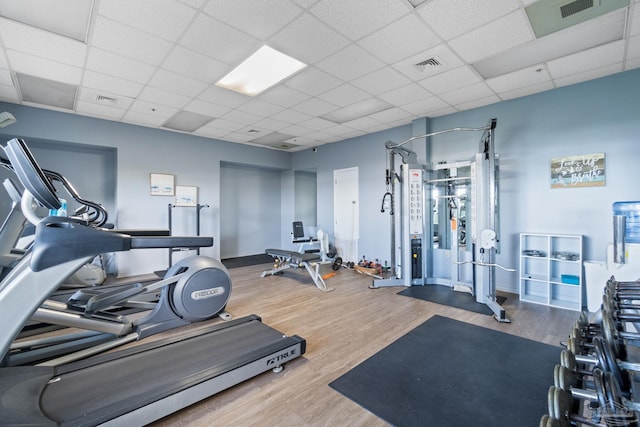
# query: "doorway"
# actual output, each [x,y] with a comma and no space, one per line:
[346,213]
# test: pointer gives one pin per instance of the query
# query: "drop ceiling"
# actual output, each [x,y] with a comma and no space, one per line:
[371,64]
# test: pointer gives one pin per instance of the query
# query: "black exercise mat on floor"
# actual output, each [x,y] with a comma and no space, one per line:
[445,295]
[450,373]
[245,261]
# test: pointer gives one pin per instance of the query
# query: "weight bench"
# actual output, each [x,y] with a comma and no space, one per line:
[291,259]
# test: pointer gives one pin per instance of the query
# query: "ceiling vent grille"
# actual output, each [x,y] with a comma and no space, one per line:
[575,7]
[102,98]
[427,63]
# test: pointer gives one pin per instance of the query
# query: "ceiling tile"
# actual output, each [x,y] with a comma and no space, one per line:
[424,107]
[229,98]
[588,75]
[272,124]
[308,40]
[144,119]
[126,41]
[8,93]
[344,95]
[206,108]
[497,36]
[36,42]
[467,94]
[519,79]
[163,18]
[211,132]
[118,66]
[99,81]
[163,97]
[5,77]
[598,57]
[382,80]
[525,91]
[260,108]
[313,81]
[291,116]
[226,125]
[454,79]
[295,130]
[241,117]
[451,18]
[315,107]
[219,41]
[44,68]
[400,39]
[284,96]
[355,19]
[631,64]
[392,115]
[477,103]
[633,49]
[363,123]
[178,83]
[97,110]
[317,123]
[635,20]
[261,19]
[152,109]
[405,95]
[350,63]
[195,65]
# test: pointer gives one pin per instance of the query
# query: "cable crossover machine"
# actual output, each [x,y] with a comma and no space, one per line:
[433,209]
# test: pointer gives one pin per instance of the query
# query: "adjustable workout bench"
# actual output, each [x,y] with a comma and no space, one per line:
[291,259]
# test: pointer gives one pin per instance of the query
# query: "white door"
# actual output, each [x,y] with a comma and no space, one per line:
[346,213]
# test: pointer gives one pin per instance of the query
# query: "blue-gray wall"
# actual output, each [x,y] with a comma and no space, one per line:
[596,116]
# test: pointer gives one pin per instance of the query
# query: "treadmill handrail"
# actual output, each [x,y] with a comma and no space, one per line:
[62,239]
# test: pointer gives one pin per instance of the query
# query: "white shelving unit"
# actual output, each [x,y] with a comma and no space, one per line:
[551,270]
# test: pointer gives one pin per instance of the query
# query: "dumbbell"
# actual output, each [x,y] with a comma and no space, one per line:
[548,421]
[611,407]
[602,357]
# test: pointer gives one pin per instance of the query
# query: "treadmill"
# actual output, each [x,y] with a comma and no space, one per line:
[130,386]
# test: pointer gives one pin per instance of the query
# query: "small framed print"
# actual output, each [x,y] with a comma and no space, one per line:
[186,195]
[162,184]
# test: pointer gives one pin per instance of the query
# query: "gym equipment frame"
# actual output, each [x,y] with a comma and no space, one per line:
[285,259]
[411,201]
[133,386]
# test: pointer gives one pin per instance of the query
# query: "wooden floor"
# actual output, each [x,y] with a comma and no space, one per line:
[342,328]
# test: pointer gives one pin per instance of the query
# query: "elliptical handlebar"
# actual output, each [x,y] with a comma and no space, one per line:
[37,181]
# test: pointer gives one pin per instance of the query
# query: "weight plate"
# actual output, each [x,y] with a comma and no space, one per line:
[337,263]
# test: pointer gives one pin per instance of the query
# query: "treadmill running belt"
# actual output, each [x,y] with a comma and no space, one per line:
[102,391]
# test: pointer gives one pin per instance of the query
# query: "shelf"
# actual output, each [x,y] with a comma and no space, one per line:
[541,276]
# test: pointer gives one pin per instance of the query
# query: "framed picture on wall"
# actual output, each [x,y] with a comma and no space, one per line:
[162,184]
[585,170]
[186,195]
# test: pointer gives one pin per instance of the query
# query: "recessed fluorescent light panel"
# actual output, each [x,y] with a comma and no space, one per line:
[260,71]
[46,92]
[68,18]
[586,35]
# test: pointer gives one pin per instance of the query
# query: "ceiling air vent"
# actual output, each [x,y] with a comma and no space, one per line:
[575,7]
[427,63]
[108,99]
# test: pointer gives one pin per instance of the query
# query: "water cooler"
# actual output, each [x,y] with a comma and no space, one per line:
[623,255]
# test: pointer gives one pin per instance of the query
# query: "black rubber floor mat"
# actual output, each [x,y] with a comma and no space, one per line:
[445,295]
[450,373]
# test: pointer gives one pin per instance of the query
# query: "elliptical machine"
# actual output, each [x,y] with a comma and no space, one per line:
[195,289]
